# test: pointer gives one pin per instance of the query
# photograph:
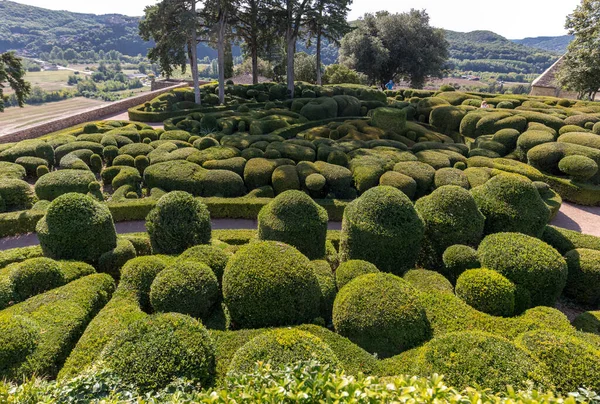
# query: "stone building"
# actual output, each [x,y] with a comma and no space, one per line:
[547,84]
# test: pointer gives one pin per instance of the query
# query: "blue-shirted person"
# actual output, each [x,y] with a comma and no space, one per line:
[390,85]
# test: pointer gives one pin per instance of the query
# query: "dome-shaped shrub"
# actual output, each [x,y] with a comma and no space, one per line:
[527,262]
[295,219]
[487,291]
[19,337]
[56,183]
[380,313]
[112,261]
[422,173]
[451,176]
[510,202]
[141,272]
[583,281]
[210,255]
[29,278]
[280,348]
[451,217]
[16,194]
[186,287]
[270,284]
[76,227]
[326,280]
[401,181]
[572,362]
[579,167]
[158,349]
[351,269]
[382,227]
[457,259]
[428,281]
[177,222]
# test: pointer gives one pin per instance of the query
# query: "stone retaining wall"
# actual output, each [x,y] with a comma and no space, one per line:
[92,114]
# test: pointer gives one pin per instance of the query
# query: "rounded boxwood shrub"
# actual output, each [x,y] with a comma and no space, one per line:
[428,281]
[422,173]
[326,280]
[281,348]
[487,291]
[381,313]
[31,164]
[583,281]
[400,181]
[112,261]
[15,194]
[382,227]
[285,178]
[315,182]
[32,277]
[177,222]
[158,349]
[56,183]
[186,287]
[527,262]
[270,283]
[451,176]
[214,257]
[124,160]
[511,203]
[295,219]
[579,167]
[141,272]
[19,337]
[76,227]
[457,259]
[571,361]
[351,269]
[451,217]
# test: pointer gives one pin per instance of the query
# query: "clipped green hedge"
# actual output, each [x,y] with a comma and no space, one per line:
[56,183]
[487,291]
[583,281]
[349,270]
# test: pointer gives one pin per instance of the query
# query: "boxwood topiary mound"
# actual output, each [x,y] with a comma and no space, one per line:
[158,349]
[583,282]
[527,262]
[487,291]
[76,227]
[282,347]
[351,269]
[472,358]
[572,362]
[511,203]
[451,217]
[19,337]
[186,287]
[177,222]
[428,281]
[270,284]
[210,255]
[56,183]
[380,313]
[382,227]
[457,259]
[295,219]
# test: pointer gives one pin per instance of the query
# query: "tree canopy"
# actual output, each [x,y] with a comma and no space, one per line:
[12,72]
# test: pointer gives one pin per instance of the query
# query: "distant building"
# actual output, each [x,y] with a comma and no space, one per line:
[137,76]
[49,67]
[547,85]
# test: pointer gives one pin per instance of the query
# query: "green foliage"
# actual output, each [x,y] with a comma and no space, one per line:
[579,167]
[12,72]
[564,240]
[380,313]
[177,222]
[156,350]
[487,291]
[19,338]
[400,181]
[457,259]
[584,275]
[451,176]
[352,269]
[76,227]
[15,194]
[382,227]
[112,261]
[185,287]
[213,256]
[327,284]
[389,119]
[269,283]
[528,262]
[56,183]
[295,219]
[12,170]
[422,173]
[428,281]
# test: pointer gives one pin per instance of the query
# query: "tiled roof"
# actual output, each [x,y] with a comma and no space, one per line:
[548,78]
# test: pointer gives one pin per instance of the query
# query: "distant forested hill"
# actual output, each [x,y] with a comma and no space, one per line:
[550,43]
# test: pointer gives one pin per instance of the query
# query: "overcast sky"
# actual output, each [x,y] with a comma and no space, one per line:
[514,19]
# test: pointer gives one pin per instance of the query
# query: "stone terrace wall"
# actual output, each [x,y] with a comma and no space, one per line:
[92,114]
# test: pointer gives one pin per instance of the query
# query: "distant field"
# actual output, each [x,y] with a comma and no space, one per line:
[48,80]
[15,118]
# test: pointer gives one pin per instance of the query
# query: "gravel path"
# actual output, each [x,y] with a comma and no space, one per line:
[584,219]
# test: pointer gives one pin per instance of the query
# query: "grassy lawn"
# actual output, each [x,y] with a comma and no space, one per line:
[15,118]
[49,80]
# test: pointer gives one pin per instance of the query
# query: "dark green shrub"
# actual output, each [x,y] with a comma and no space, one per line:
[41,170]
[282,347]
[511,203]
[185,287]
[400,181]
[583,281]
[352,269]
[214,257]
[31,277]
[447,118]
[12,170]
[339,179]
[487,291]
[422,173]
[158,349]
[571,361]
[222,183]
[175,176]
[579,167]
[136,149]
[285,178]
[30,164]
[110,153]
[527,262]
[507,137]
[451,217]
[326,280]
[19,338]
[382,227]
[124,160]
[588,322]
[270,284]
[451,176]
[295,219]
[428,281]
[566,240]
[391,119]
[315,182]
[137,276]
[235,164]
[141,163]
[57,183]
[457,259]
[65,149]
[126,176]
[528,140]
[181,135]
[177,222]
[76,227]
[380,313]
[16,194]
[258,172]
[112,261]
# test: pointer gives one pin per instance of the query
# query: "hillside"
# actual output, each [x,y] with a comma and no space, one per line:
[549,43]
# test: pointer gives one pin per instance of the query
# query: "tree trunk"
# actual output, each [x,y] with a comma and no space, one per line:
[319,55]
[291,49]
[254,63]
[194,60]
[221,58]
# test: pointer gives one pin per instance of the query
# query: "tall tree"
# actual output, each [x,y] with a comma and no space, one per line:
[580,70]
[251,27]
[390,46]
[173,25]
[327,21]
[12,72]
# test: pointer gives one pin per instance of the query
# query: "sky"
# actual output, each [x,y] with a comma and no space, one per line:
[513,19]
